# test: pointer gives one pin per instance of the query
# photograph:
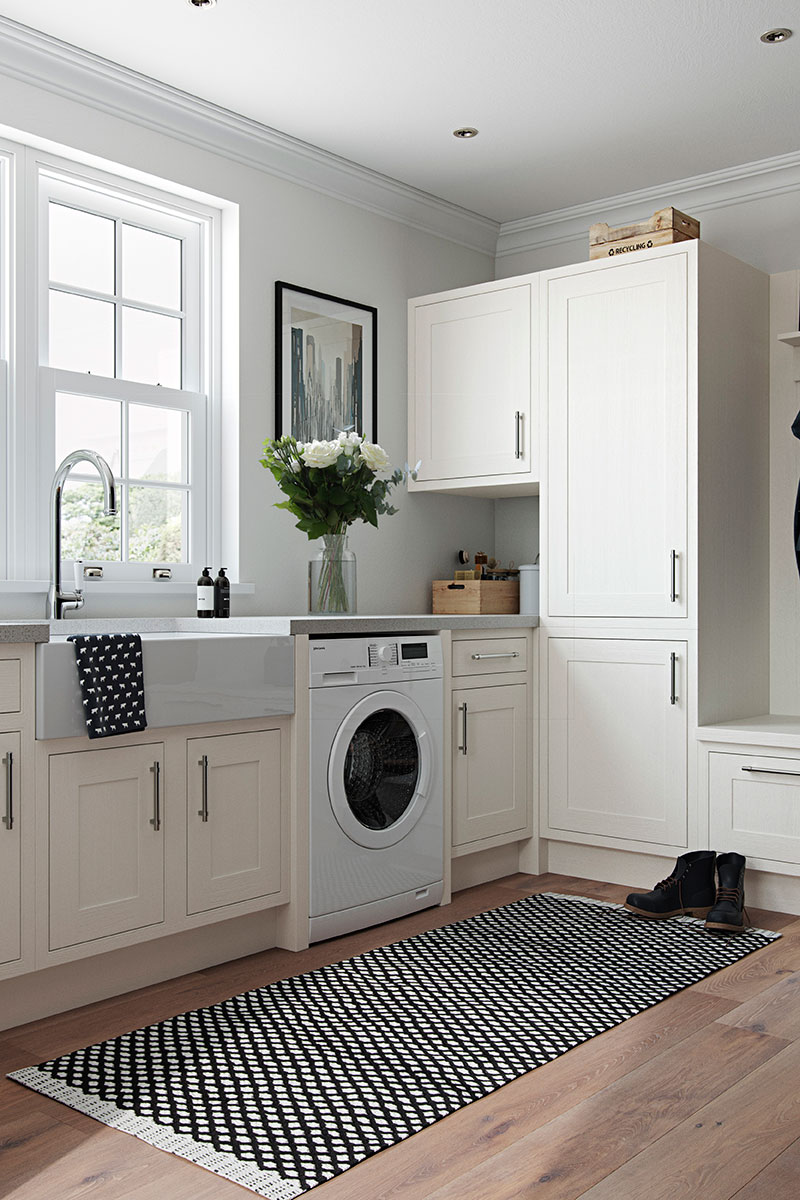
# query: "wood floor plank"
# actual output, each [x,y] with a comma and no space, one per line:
[576,1150]
[775,1011]
[449,1148]
[723,1145]
[756,972]
[780,1178]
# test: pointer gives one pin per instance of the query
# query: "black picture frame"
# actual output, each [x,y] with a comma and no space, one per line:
[343,386]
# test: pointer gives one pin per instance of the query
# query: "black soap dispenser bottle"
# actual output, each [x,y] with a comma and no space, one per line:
[205,594]
[222,594]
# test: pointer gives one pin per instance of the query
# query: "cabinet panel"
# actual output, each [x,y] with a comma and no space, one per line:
[490,656]
[106,843]
[754,803]
[10,685]
[617,458]
[490,762]
[616,741]
[472,376]
[10,848]
[234,818]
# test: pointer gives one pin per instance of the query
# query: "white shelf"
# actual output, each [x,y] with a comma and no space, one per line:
[791,339]
[765,729]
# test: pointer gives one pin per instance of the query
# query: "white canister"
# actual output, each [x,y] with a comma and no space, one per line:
[529,589]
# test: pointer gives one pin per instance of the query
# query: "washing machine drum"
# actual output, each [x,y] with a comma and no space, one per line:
[380,769]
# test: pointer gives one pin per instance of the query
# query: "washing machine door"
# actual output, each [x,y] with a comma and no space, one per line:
[380,769]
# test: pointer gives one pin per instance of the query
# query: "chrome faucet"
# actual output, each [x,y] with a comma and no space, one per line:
[57,599]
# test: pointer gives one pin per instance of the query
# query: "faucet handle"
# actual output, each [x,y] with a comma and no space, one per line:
[77,567]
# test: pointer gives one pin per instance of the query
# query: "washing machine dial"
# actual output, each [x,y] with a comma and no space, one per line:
[387,653]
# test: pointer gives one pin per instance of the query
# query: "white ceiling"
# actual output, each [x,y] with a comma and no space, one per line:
[575,100]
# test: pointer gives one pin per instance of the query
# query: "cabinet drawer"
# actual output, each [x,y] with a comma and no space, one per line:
[754,804]
[10,685]
[490,656]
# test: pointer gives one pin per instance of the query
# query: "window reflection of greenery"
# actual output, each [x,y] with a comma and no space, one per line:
[155,526]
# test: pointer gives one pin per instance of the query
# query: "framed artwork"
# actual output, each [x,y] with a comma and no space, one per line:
[326,365]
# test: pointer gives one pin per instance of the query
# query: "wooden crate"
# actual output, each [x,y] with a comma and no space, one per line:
[476,596]
[665,227]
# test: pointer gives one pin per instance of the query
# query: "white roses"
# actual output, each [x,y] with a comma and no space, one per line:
[374,456]
[320,454]
[325,454]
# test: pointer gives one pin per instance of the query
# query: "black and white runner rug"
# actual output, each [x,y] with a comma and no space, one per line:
[283,1087]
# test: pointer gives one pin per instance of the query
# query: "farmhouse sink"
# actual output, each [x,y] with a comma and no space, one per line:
[189,679]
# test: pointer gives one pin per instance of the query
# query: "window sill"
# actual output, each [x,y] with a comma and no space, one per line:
[119,587]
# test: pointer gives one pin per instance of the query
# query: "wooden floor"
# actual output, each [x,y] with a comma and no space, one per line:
[698,1097]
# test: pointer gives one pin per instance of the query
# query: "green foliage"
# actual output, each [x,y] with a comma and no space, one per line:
[326,499]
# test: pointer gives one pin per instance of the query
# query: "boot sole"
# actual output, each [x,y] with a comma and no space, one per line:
[675,912]
[723,928]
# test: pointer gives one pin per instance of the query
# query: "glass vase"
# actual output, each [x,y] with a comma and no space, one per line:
[332,577]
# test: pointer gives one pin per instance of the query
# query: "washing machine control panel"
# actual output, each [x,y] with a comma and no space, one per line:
[376,658]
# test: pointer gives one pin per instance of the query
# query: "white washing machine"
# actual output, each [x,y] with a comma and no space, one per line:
[376,793]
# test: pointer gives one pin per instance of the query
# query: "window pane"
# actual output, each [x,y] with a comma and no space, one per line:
[81,334]
[88,423]
[156,443]
[86,532]
[151,348]
[151,267]
[156,525]
[81,249]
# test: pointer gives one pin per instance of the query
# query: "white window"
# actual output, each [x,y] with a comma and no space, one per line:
[124,309]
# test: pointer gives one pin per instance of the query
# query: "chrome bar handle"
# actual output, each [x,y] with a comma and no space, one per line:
[673,674]
[673,591]
[202,812]
[8,819]
[517,435]
[462,708]
[499,654]
[156,821]
[769,771]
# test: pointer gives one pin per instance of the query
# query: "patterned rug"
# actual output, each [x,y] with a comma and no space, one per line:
[286,1086]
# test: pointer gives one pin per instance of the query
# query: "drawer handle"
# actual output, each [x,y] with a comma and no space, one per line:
[156,821]
[769,771]
[499,654]
[463,710]
[8,819]
[203,812]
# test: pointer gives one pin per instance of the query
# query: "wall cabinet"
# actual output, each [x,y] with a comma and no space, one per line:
[472,423]
[617,440]
[234,817]
[10,848]
[617,739]
[107,823]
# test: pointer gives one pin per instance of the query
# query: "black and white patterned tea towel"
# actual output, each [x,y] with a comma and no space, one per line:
[112,682]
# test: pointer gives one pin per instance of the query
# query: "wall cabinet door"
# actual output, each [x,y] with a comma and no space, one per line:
[10,849]
[616,737]
[490,762]
[471,402]
[617,440]
[106,843]
[234,818]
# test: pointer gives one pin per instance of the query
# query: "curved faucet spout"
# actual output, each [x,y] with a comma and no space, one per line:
[57,598]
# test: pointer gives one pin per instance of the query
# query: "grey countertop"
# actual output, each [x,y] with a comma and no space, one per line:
[39,631]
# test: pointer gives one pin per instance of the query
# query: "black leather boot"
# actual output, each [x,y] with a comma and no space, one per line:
[689,889]
[727,915]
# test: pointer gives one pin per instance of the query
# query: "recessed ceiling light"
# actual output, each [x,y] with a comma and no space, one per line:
[466,131]
[202,3]
[773,36]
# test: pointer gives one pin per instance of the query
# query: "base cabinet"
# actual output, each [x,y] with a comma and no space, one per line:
[233,819]
[10,849]
[106,842]
[617,739]
[490,762]
[754,807]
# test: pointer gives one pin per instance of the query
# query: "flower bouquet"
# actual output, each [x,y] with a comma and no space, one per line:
[329,486]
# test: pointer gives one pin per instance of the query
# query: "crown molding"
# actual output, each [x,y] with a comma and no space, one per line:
[68,71]
[701,193]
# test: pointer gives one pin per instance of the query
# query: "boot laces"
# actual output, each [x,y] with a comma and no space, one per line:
[666,884]
[728,893]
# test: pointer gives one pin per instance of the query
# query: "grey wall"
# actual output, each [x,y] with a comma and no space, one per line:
[295,233]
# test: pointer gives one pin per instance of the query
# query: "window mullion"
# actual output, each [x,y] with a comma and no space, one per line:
[117,300]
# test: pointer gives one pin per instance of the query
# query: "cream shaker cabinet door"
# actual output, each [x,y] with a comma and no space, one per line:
[10,848]
[617,440]
[616,739]
[490,762]
[471,407]
[234,818]
[106,843]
